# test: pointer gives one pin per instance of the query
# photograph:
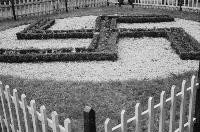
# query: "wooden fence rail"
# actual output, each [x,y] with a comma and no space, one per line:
[18,116]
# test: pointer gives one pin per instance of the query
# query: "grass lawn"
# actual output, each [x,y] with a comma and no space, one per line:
[69,98]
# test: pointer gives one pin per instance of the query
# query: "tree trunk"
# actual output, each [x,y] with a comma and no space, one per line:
[13,9]
[66,5]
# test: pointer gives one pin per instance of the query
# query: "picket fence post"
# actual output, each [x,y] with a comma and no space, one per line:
[54,116]
[17,107]
[8,96]
[89,119]
[162,112]
[25,113]
[173,109]
[108,125]
[151,114]
[182,108]
[34,116]
[138,117]
[67,125]
[123,121]
[2,127]
[6,117]
[197,105]
[44,118]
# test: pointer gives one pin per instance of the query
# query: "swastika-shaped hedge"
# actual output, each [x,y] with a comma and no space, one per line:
[104,36]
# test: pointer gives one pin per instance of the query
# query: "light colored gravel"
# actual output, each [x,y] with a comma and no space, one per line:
[142,58]
[84,22]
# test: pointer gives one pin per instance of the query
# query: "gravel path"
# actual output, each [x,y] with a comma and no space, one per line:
[144,58]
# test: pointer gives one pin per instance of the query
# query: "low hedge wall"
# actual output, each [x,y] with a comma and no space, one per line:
[94,44]
[183,44]
[52,35]
[138,33]
[47,25]
[142,18]
[98,23]
[104,42]
[97,56]
[38,30]
[190,55]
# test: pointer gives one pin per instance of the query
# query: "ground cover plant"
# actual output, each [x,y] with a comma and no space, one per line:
[70,95]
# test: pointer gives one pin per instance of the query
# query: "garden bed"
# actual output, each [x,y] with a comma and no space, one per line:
[104,39]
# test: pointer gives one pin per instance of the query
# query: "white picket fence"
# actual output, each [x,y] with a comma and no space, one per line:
[39,121]
[40,7]
[31,8]
[150,112]
[188,5]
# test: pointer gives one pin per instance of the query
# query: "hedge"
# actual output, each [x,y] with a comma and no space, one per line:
[98,23]
[94,44]
[144,19]
[183,44]
[98,56]
[53,35]
[104,42]
[38,30]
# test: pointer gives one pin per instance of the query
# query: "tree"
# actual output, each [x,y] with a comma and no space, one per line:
[66,5]
[13,9]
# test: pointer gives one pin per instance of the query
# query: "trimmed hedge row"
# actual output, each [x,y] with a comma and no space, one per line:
[38,24]
[108,37]
[48,24]
[113,24]
[94,44]
[142,18]
[183,44]
[38,30]
[190,56]
[98,23]
[104,43]
[34,51]
[97,56]
[52,35]
[70,31]
[138,33]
